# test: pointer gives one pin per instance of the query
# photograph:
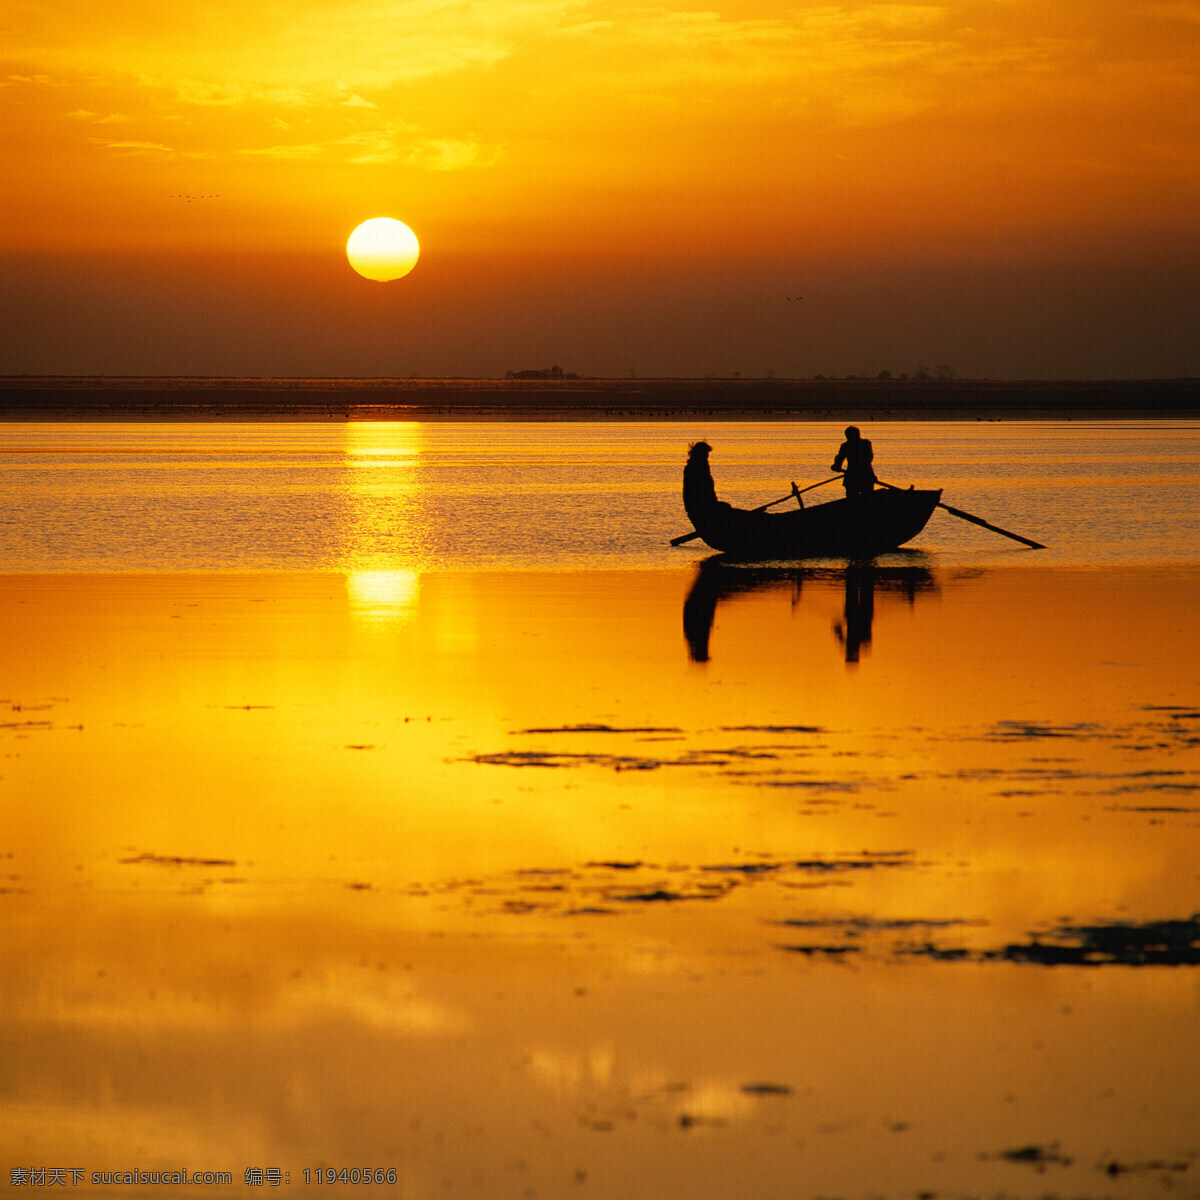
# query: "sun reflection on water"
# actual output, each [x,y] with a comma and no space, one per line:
[383,596]
[381,493]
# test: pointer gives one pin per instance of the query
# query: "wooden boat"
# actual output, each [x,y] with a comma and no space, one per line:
[857,527]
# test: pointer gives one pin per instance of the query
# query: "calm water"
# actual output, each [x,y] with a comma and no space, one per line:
[394,796]
[409,496]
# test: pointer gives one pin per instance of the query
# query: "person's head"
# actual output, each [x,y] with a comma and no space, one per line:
[852,433]
[699,450]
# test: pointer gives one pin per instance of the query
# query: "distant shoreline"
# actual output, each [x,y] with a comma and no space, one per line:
[106,398]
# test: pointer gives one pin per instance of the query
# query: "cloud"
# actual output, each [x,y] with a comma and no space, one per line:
[206,93]
[229,49]
[135,147]
[293,152]
[94,118]
[394,144]
[451,154]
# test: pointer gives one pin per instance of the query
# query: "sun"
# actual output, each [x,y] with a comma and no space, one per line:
[382,249]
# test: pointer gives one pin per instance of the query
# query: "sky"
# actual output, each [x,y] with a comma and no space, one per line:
[1007,188]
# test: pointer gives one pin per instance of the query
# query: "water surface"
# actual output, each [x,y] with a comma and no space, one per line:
[528,856]
[411,496]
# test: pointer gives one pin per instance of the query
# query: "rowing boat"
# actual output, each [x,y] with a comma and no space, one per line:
[872,523]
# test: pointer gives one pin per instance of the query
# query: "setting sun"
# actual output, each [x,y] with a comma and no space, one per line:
[383,249]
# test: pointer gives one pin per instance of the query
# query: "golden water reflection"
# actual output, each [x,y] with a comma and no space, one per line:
[384,595]
[380,501]
[481,876]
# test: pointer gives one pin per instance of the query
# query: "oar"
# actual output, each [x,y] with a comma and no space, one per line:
[687,537]
[966,516]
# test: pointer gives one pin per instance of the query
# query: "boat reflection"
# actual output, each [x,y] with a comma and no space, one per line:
[719,579]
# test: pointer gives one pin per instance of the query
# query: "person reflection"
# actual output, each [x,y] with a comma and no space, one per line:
[859,611]
[718,579]
[700,609]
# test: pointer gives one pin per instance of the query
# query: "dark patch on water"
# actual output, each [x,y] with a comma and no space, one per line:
[1114,1168]
[853,926]
[1017,731]
[1152,943]
[901,858]
[937,953]
[867,927]
[595,889]
[1151,808]
[176,860]
[1153,787]
[744,868]
[617,762]
[810,951]
[538,758]
[1035,1156]
[590,728]
[812,785]
[771,729]
[1171,943]
[715,757]
[661,895]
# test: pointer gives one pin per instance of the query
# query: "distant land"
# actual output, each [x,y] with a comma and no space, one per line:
[564,398]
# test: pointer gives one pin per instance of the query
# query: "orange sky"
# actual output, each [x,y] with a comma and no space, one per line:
[661,153]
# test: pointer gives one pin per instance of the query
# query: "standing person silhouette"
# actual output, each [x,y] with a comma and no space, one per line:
[853,459]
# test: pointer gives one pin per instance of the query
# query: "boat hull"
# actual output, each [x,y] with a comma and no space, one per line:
[870,524]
